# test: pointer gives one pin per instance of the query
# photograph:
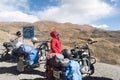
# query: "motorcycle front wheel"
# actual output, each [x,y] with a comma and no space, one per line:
[5,55]
[92,69]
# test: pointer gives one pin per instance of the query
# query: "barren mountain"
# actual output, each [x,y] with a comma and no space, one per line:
[106,50]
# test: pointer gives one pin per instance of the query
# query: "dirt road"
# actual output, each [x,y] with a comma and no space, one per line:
[102,72]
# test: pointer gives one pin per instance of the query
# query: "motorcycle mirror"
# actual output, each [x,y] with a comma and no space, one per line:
[18,33]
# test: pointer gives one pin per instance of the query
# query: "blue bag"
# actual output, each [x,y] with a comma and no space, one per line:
[33,57]
[25,48]
[31,53]
[72,71]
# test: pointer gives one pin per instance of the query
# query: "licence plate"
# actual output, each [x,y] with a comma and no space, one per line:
[56,74]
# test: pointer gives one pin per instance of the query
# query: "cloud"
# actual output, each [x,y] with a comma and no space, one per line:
[17,16]
[73,11]
[103,26]
[13,10]
[77,11]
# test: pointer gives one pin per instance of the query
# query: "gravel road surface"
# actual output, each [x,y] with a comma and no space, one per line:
[102,72]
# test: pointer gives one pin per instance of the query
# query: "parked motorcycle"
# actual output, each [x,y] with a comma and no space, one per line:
[41,50]
[9,46]
[60,68]
[27,58]
[80,54]
[23,63]
[83,56]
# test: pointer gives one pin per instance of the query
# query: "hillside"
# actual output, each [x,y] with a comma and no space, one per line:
[106,50]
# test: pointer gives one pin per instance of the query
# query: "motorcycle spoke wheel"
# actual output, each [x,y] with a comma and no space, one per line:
[92,69]
[4,55]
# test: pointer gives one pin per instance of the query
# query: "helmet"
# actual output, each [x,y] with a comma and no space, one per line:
[57,33]
[34,39]
[67,53]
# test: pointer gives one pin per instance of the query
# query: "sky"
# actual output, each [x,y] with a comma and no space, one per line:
[103,14]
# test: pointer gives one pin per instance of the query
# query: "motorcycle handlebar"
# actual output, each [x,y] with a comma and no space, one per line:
[88,41]
[91,42]
[41,41]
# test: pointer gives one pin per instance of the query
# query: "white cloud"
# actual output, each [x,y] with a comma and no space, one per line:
[103,26]
[77,11]
[17,16]
[74,11]
[10,11]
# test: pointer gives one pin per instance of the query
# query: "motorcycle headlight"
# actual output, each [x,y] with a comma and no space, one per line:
[85,53]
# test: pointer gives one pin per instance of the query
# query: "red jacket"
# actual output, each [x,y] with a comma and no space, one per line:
[56,46]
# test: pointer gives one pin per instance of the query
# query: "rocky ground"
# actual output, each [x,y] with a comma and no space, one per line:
[102,72]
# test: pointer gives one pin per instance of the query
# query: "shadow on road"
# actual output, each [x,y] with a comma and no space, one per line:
[90,78]
[8,58]
[35,72]
[96,78]
[35,79]
[12,70]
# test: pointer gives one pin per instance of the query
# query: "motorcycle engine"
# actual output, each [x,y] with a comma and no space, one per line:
[84,69]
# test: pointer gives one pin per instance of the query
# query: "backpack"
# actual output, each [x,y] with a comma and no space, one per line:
[49,59]
[72,71]
[52,61]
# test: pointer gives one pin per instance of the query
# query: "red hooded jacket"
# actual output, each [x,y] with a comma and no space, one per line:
[56,46]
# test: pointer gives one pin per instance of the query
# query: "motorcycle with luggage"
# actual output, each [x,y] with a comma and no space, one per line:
[60,68]
[9,47]
[30,57]
[82,54]
[77,58]
[27,58]
[43,48]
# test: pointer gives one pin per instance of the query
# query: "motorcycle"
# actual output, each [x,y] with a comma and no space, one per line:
[23,63]
[43,48]
[9,46]
[27,58]
[61,68]
[41,51]
[55,66]
[83,56]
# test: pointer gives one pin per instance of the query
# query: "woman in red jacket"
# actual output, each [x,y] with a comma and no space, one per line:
[56,46]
